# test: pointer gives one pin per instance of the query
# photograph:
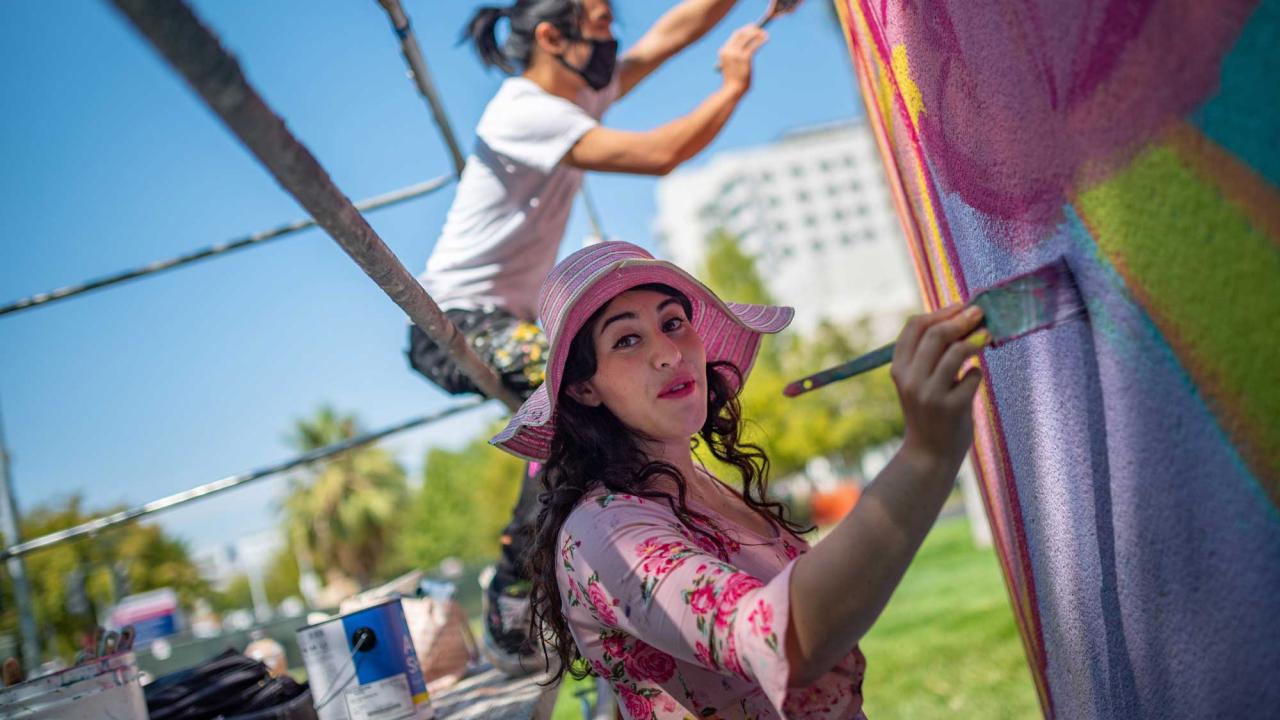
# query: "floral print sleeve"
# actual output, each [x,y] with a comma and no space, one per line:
[644,593]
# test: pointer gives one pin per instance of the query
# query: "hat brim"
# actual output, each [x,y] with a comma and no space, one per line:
[730,332]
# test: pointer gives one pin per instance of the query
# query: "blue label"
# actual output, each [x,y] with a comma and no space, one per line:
[154,628]
[392,653]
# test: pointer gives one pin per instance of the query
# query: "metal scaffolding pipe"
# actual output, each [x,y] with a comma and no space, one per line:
[374,203]
[592,216]
[195,52]
[227,483]
[9,520]
[422,78]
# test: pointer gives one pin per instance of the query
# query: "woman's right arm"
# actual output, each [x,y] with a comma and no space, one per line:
[661,150]
[839,588]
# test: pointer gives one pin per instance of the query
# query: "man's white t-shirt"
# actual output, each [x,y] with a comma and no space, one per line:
[502,234]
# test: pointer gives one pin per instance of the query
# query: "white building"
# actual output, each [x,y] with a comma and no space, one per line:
[814,210]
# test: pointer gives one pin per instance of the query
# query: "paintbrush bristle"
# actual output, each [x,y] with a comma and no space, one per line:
[1041,298]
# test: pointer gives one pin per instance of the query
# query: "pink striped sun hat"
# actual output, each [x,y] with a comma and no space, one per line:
[586,281]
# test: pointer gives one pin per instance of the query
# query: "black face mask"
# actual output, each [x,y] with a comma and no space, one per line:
[599,68]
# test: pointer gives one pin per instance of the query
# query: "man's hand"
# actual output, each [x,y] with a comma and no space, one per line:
[736,56]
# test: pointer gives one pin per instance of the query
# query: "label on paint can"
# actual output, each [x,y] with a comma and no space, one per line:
[379,680]
[388,699]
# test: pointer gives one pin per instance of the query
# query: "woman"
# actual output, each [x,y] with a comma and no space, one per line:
[690,598]
[537,136]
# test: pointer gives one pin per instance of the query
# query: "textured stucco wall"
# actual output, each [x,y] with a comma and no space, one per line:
[1130,463]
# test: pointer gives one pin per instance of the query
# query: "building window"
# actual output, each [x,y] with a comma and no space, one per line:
[779,226]
[802,195]
[810,220]
[846,239]
[767,176]
[797,171]
[817,245]
[825,165]
[839,215]
[833,190]
[855,186]
[774,201]
[869,234]
[862,209]
[848,161]
[786,251]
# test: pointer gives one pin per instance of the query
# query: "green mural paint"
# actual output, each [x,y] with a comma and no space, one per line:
[1207,278]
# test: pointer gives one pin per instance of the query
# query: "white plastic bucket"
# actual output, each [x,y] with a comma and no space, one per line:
[104,688]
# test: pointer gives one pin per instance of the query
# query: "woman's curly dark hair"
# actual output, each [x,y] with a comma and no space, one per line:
[591,448]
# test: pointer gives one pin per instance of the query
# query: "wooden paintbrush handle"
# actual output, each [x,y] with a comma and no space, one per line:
[856,366]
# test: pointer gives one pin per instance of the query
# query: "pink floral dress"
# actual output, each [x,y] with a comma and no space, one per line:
[682,631]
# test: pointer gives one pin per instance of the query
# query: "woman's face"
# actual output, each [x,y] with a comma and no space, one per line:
[651,369]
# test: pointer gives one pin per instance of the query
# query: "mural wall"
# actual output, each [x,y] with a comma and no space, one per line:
[1131,462]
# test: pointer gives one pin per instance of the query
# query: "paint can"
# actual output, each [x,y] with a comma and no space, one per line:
[107,687]
[362,666]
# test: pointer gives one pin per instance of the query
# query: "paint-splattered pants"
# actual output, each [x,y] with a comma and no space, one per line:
[516,349]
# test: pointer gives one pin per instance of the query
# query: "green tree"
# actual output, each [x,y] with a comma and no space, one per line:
[465,501]
[280,578]
[236,595]
[841,421]
[127,559]
[732,273]
[344,513]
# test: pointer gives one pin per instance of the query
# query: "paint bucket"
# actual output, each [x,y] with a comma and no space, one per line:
[362,666]
[107,687]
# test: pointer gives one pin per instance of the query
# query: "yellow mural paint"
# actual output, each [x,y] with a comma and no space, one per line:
[944,278]
[910,91]
[884,93]
[881,122]
[944,274]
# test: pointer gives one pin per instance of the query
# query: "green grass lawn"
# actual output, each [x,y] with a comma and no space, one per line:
[945,647]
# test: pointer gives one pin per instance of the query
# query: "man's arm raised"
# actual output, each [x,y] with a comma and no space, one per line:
[678,28]
[661,150]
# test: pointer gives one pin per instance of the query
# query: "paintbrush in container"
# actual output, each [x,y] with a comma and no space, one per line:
[1039,299]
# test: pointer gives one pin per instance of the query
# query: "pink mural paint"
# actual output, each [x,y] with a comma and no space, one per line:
[1048,100]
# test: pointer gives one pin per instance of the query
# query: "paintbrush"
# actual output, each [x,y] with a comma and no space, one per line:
[776,9]
[1039,299]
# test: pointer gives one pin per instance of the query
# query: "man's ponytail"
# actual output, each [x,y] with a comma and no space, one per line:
[482,31]
[525,16]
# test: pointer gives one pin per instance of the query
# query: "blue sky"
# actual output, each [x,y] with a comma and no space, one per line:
[109,161]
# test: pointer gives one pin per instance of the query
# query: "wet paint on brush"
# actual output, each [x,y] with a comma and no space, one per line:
[1042,298]
[1039,299]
